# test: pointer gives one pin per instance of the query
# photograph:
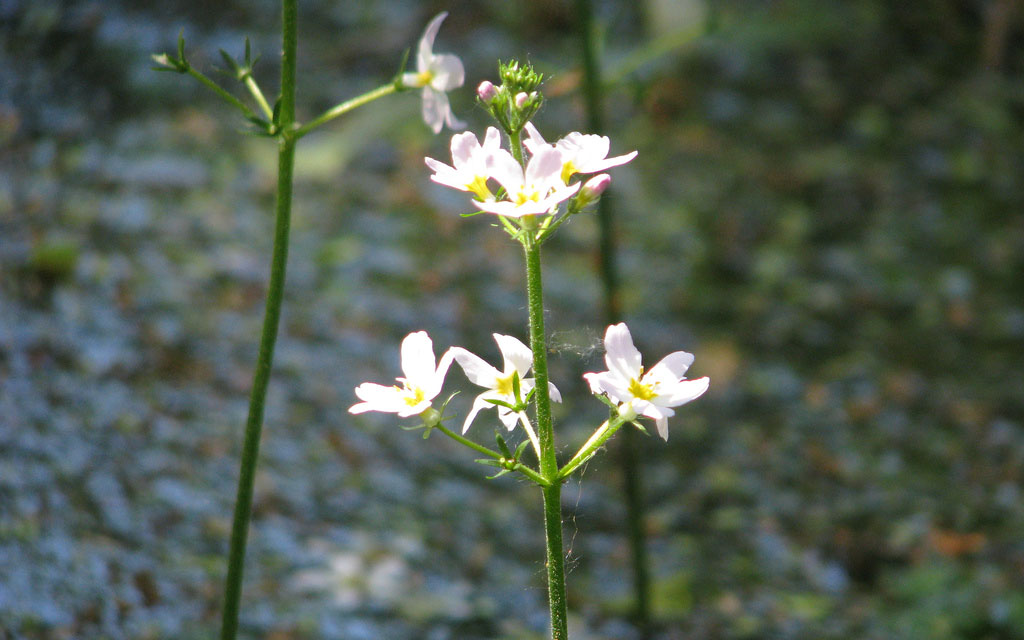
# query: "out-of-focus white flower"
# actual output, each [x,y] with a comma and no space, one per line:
[534,191]
[471,163]
[421,384]
[650,394]
[436,74]
[581,153]
[500,385]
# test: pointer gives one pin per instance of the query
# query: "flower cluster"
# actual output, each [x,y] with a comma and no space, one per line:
[634,392]
[540,186]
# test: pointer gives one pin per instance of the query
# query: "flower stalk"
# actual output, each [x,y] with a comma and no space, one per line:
[545,432]
[268,336]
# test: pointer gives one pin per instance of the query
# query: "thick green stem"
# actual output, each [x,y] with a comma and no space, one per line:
[555,560]
[593,96]
[545,432]
[271,319]
[345,107]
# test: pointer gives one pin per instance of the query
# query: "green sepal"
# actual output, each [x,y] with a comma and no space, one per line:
[470,214]
[643,430]
[516,388]
[397,80]
[232,64]
[520,449]
[502,403]
[502,445]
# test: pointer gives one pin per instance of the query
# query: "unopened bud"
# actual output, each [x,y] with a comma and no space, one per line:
[593,188]
[521,99]
[486,91]
[431,418]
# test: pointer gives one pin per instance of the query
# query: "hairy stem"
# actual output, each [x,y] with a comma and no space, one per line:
[545,433]
[271,320]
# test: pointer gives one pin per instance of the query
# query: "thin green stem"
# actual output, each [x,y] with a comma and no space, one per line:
[590,447]
[345,107]
[220,91]
[257,95]
[271,320]
[545,432]
[479,448]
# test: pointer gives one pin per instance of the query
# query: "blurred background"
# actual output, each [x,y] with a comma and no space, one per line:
[826,210]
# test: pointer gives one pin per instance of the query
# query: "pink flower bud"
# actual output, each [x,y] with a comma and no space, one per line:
[593,188]
[486,91]
[521,99]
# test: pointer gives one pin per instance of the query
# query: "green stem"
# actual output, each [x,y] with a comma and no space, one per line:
[520,467]
[220,91]
[590,447]
[593,91]
[271,320]
[257,95]
[479,448]
[345,107]
[545,432]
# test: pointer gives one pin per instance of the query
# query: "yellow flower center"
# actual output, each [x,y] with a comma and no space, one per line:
[478,187]
[504,385]
[568,169]
[413,395]
[641,390]
[423,78]
[530,195]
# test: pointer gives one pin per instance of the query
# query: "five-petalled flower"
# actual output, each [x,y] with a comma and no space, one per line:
[500,385]
[650,394]
[421,384]
[536,190]
[580,152]
[436,74]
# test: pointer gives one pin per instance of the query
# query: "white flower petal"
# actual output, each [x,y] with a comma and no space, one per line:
[418,358]
[677,362]
[504,168]
[684,391]
[534,141]
[517,355]
[545,167]
[448,72]
[435,108]
[377,397]
[476,368]
[425,53]
[479,404]
[622,358]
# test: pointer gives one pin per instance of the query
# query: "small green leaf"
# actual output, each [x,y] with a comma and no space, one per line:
[521,448]
[502,446]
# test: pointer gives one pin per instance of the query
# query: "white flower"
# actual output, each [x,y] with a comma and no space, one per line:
[499,384]
[470,159]
[649,394]
[421,384]
[581,153]
[534,191]
[436,73]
